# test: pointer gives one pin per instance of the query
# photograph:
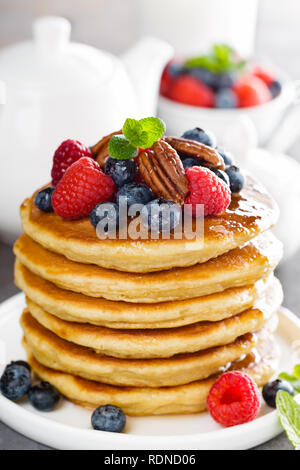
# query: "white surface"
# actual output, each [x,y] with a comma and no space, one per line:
[57,90]
[69,427]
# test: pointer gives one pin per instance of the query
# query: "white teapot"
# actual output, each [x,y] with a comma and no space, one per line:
[52,89]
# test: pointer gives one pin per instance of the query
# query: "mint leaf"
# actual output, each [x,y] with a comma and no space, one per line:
[292,379]
[289,416]
[120,148]
[145,132]
[297,371]
[221,59]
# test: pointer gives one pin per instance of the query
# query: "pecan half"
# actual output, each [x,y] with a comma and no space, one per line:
[191,148]
[162,170]
[100,150]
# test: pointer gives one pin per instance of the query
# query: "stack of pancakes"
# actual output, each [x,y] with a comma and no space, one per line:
[148,325]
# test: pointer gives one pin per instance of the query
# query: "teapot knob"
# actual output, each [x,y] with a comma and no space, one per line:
[51,35]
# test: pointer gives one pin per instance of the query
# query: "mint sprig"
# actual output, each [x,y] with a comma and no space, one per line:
[222,58]
[289,416]
[293,379]
[136,133]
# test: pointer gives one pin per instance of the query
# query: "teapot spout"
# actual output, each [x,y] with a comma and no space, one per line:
[144,63]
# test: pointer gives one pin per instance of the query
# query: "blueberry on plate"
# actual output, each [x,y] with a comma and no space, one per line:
[15,380]
[43,396]
[161,215]
[275,88]
[203,75]
[121,171]
[236,178]
[223,80]
[43,199]
[108,418]
[108,211]
[227,157]
[226,99]
[270,390]
[134,193]
[221,174]
[190,161]
[201,136]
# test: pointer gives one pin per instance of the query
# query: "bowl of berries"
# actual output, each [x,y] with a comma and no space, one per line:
[221,90]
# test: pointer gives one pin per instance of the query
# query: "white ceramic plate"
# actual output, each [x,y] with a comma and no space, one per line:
[69,427]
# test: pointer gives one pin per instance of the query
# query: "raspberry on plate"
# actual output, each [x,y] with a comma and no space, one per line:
[251,91]
[82,187]
[206,188]
[67,153]
[233,399]
[189,90]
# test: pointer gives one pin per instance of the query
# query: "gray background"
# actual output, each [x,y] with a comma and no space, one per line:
[112,25]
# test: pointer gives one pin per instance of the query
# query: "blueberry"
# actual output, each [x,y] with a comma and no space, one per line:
[15,381]
[201,136]
[175,70]
[108,211]
[227,157]
[135,193]
[190,161]
[221,174]
[223,80]
[161,215]
[108,418]
[226,98]
[121,171]
[275,88]
[236,178]
[43,396]
[270,390]
[43,199]
[203,75]
[23,363]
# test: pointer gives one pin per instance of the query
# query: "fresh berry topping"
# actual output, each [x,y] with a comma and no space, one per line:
[189,162]
[221,174]
[166,81]
[43,200]
[227,157]
[15,380]
[108,418]
[208,189]
[223,80]
[226,99]
[67,153]
[23,363]
[176,69]
[135,193]
[82,187]
[161,215]
[270,390]
[198,134]
[275,88]
[43,396]
[188,90]
[204,75]
[233,399]
[266,75]
[236,178]
[251,91]
[108,212]
[121,171]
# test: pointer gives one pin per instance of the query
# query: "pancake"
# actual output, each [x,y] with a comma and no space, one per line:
[250,213]
[189,398]
[56,353]
[239,267]
[157,343]
[74,307]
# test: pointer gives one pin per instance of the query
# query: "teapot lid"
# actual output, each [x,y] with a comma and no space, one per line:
[50,57]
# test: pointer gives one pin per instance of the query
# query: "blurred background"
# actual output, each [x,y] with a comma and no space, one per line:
[39,97]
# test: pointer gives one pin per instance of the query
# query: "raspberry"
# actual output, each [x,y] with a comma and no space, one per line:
[67,153]
[251,91]
[189,90]
[264,74]
[206,188]
[82,187]
[233,399]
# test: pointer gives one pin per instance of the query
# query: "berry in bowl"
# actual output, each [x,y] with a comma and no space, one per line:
[220,87]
